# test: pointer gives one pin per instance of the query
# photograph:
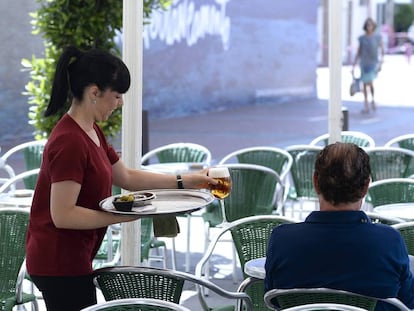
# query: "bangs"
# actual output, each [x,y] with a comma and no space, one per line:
[121,79]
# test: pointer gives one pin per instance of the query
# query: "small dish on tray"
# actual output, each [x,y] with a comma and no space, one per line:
[141,203]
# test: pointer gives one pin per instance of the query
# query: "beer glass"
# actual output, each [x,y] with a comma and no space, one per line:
[222,175]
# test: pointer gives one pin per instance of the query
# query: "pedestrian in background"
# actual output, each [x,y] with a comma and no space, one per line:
[370,55]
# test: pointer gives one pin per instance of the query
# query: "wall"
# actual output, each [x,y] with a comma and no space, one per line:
[17,43]
[205,55]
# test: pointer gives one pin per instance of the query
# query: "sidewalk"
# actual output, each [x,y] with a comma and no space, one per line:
[285,124]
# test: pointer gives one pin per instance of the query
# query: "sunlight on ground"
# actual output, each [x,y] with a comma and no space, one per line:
[393,86]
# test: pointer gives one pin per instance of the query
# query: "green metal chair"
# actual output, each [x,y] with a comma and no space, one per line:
[250,236]
[284,299]
[390,162]
[403,141]
[146,282]
[277,159]
[381,219]
[136,304]
[253,193]
[324,306]
[280,299]
[11,182]
[406,230]
[13,227]
[301,173]
[179,152]
[32,155]
[358,138]
[391,191]
[109,253]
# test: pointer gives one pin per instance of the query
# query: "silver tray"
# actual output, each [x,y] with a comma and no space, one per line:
[166,201]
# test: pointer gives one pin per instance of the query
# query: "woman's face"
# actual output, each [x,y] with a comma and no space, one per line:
[369,26]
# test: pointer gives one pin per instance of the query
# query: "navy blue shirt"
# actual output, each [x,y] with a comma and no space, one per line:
[340,250]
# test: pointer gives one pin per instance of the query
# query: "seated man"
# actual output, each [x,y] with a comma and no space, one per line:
[338,247]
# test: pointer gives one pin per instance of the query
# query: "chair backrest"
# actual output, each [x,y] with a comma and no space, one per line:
[304,157]
[134,304]
[390,162]
[391,191]
[32,154]
[250,236]
[403,141]
[11,182]
[280,299]
[165,284]
[381,219]
[277,159]
[406,230]
[325,306]
[358,138]
[13,227]
[253,191]
[109,253]
[179,152]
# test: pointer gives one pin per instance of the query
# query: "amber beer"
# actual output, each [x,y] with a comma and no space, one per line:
[222,175]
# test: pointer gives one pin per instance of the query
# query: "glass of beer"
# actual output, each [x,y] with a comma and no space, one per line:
[222,175]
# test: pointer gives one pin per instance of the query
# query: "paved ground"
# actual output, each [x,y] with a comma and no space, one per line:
[282,125]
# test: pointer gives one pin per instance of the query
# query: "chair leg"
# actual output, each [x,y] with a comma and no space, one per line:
[187,254]
[206,243]
[235,277]
[173,255]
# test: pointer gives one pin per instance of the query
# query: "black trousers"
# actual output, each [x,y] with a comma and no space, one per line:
[66,293]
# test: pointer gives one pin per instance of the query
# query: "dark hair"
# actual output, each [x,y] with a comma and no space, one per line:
[369,20]
[76,69]
[342,171]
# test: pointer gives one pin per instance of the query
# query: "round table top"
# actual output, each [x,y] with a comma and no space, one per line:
[166,201]
[255,268]
[17,198]
[398,210]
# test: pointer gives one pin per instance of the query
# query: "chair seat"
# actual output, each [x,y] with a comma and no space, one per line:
[7,304]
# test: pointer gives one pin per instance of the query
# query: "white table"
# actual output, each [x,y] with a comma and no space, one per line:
[397,210]
[175,167]
[17,198]
[255,268]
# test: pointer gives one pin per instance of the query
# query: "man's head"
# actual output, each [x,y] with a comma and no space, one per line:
[342,173]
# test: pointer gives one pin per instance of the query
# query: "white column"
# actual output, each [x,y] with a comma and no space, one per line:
[335,70]
[132,118]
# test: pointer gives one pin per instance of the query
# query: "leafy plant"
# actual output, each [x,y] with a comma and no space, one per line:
[85,24]
[403,17]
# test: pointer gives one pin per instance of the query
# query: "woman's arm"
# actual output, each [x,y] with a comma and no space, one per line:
[133,179]
[67,215]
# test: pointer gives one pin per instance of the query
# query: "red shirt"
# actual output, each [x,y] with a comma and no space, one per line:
[69,154]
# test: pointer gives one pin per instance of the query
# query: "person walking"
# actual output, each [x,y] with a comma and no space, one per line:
[78,170]
[370,55]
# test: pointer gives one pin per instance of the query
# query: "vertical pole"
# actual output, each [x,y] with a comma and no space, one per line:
[132,118]
[335,70]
